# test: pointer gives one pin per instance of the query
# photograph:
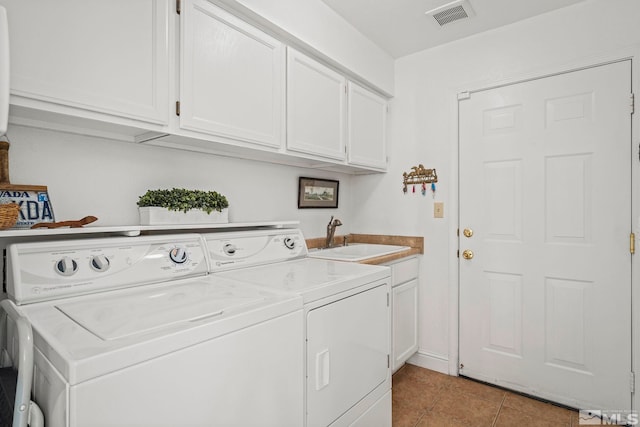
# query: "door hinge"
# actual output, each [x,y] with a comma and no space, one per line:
[388,361]
[177,108]
[632,243]
[632,382]
[178,6]
[632,98]
[388,299]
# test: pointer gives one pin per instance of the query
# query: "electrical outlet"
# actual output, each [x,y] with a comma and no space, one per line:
[438,210]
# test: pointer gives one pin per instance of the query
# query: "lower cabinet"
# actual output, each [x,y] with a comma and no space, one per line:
[404,310]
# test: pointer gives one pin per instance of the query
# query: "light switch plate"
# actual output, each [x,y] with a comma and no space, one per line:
[438,210]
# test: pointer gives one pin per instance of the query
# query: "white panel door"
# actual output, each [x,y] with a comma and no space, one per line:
[232,77]
[347,353]
[367,127]
[315,107]
[545,185]
[105,56]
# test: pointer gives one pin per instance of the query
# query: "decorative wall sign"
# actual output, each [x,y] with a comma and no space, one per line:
[421,177]
[317,193]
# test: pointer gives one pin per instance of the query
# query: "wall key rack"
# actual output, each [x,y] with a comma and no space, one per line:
[420,176]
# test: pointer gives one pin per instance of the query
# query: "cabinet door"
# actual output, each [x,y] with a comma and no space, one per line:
[232,77]
[102,56]
[367,124]
[405,322]
[315,108]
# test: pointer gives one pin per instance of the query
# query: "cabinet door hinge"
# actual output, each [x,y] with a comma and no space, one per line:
[177,108]
[632,98]
[388,299]
[632,382]
[632,243]
[178,6]
[388,361]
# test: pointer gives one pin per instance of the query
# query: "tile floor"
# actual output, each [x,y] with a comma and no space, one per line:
[424,398]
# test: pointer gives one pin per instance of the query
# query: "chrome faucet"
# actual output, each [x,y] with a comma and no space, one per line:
[331,231]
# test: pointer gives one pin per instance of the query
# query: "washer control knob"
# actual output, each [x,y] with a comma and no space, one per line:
[289,243]
[100,263]
[66,266]
[178,255]
[229,249]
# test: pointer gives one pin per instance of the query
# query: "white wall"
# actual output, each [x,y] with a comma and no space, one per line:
[423,122]
[92,176]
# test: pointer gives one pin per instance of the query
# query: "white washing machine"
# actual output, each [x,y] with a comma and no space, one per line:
[134,332]
[346,321]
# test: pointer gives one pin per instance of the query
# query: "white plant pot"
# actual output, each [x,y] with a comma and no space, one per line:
[153,215]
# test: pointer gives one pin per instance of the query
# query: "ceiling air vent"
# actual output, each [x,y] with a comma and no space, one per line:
[451,12]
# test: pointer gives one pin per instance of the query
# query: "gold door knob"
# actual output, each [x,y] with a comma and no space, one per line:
[467,254]
[467,232]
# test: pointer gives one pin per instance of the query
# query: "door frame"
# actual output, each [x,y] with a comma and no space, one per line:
[631,54]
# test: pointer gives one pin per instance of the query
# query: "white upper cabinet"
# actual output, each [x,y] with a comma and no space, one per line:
[315,108]
[116,69]
[366,122]
[232,78]
[99,56]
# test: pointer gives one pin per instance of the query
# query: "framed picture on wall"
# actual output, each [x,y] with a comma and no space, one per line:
[317,193]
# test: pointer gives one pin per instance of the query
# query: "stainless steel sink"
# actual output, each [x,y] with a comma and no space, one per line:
[356,251]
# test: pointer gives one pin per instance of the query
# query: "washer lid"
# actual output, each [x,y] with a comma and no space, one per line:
[113,317]
[92,335]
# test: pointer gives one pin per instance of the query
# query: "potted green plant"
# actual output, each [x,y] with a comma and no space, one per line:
[180,206]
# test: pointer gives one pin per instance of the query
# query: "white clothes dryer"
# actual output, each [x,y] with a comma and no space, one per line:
[134,332]
[347,321]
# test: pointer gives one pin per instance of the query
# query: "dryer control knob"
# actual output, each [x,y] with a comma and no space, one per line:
[100,263]
[289,243]
[66,266]
[178,255]
[229,249]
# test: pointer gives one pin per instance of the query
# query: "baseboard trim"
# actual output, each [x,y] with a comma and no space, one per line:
[431,361]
